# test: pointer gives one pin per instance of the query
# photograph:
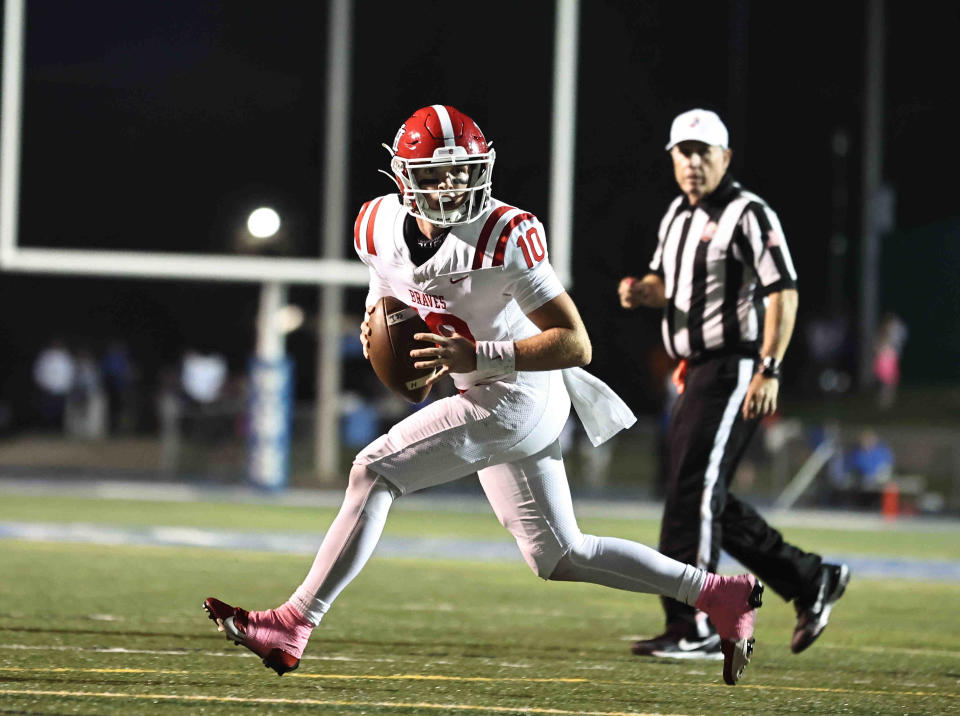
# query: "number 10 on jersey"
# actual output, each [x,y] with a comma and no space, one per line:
[532,246]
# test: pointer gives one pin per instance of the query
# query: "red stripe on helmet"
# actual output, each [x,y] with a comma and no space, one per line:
[356,224]
[485,234]
[371,247]
[505,235]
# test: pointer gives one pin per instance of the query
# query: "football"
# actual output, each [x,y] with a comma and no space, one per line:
[392,326]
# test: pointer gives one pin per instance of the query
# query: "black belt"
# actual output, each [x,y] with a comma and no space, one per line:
[742,352]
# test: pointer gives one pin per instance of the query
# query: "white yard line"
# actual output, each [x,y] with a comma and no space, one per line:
[623,508]
[399,547]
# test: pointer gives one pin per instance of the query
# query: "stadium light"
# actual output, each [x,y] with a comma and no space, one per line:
[263,223]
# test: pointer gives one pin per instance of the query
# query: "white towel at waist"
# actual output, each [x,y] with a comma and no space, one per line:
[601,411]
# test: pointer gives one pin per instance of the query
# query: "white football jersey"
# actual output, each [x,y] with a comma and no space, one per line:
[484,279]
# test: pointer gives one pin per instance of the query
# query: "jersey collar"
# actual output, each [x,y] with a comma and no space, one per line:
[727,190]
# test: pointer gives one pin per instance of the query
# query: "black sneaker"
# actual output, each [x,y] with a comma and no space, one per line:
[812,616]
[674,644]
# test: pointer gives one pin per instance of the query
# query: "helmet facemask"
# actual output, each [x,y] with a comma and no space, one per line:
[477,189]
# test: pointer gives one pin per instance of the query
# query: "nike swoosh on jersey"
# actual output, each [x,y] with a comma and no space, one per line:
[458,280]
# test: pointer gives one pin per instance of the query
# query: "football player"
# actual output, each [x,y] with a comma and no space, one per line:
[505,330]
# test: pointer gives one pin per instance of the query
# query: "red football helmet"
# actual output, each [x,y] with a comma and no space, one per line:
[442,136]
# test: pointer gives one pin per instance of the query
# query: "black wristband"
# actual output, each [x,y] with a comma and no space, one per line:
[769,367]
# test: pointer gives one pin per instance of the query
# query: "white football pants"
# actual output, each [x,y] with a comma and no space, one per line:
[507,433]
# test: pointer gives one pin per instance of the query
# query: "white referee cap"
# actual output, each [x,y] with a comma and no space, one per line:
[698,125]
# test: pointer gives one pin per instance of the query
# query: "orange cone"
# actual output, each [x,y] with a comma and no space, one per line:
[890,501]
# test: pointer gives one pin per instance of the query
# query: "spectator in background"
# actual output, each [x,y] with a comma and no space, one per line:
[858,474]
[118,374]
[870,462]
[86,404]
[211,404]
[168,412]
[202,376]
[891,336]
[53,372]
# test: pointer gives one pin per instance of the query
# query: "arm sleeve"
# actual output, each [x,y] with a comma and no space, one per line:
[771,256]
[530,278]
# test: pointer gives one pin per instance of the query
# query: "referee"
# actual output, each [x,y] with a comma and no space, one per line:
[724,277]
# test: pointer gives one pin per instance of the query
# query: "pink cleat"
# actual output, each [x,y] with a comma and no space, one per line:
[278,636]
[732,603]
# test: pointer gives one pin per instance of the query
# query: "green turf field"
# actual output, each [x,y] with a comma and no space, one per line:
[94,629]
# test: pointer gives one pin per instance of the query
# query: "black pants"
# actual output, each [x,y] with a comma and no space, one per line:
[706,438]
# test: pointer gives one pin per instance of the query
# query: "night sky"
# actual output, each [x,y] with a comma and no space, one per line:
[160,125]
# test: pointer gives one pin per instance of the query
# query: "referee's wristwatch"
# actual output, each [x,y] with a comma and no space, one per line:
[769,367]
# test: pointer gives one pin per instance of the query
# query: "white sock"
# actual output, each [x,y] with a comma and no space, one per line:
[347,545]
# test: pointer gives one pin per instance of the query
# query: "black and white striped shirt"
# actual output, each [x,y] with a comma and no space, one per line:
[718,260]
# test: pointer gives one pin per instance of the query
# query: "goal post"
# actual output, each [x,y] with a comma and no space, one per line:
[201,267]
[330,274]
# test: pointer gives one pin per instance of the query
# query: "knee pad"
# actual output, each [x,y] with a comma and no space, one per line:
[365,484]
[541,565]
[569,568]
[551,565]
[361,478]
